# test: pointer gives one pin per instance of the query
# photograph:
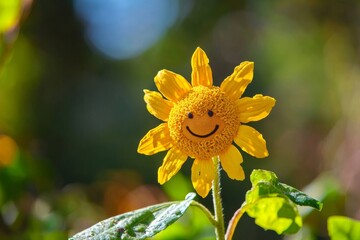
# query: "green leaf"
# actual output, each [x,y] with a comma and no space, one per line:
[343,228]
[272,210]
[139,224]
[274,204]
[299,197]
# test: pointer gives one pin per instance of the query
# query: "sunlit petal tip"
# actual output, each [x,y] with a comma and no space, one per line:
[273,102]
[250,64]
[201,71]
[202,175]
[255,108]
[157,105]
[172,163]
[270,101]
[156,140]
[230,162]
[171,85]
[251,142]
[202,189]
[245,69]
[199,52]
[198,49]
[266,154]
[162,177]
[235,84]
[202,192]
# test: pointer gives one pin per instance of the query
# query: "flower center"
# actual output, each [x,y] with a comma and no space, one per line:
[204,123]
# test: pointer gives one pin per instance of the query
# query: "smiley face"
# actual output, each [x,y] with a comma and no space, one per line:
[200,127]
[204,123]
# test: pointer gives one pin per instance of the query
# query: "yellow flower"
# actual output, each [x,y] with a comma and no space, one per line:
[202,121]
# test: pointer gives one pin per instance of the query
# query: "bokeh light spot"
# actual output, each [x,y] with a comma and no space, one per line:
[125,29]
[8,150]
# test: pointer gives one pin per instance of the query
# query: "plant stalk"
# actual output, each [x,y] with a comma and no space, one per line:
[218,209]
[234,221]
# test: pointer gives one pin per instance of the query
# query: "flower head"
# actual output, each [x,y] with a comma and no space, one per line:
[202,121]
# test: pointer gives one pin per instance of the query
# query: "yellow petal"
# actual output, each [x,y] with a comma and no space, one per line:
[202,175]
[201,71]
[172,163]
[156,140]
[235,84]
[173,86]
[157,105]
[251,141]
[230,162]
[255,108]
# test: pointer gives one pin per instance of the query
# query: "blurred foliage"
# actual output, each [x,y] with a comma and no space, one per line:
[8,150]
[343,228]
[71,117]
[9,14]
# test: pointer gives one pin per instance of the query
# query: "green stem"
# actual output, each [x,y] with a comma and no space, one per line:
[218,209]
[234,221]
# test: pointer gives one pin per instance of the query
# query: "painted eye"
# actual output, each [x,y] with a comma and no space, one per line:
[190,115]
[210,113]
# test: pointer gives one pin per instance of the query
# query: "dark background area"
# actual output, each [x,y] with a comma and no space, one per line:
[71,98]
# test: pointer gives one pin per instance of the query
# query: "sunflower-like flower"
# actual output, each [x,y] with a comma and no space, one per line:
[201,121]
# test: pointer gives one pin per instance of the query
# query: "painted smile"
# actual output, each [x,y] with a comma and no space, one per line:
[203,136]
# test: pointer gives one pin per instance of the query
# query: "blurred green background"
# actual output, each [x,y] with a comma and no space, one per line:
[72,110]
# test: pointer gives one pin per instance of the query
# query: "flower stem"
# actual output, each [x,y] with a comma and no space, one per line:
[218,209]
[234,221]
